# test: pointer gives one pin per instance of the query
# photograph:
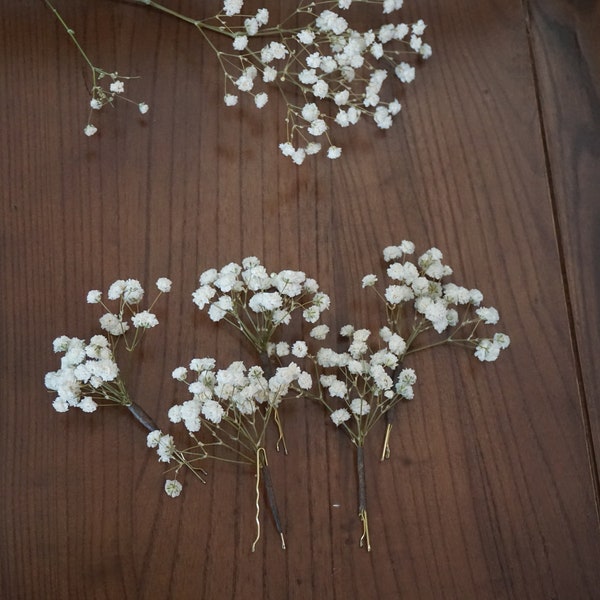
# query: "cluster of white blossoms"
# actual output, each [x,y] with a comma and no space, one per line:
[85,369]
[228,413]
[258,302]
[329,72]
[367,382]
[231,394]
[89,373]
[326,62]
[128,293]
[436,303]
[102,96]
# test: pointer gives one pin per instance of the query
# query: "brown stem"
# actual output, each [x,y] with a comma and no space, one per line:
[142,416]
[266,473]
[362,497]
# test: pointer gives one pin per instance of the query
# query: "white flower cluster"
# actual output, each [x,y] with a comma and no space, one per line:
[369,382]
[102,96]
[326,59]
[129,293]
[258,302]
[436,303]
[89,372]
[85,368]
[232,394]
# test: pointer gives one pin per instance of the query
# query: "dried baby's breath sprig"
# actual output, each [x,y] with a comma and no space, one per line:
[229,414]
[366,382]
[314,53]
[328,72]
[106,87]
[259,304]
[89,375]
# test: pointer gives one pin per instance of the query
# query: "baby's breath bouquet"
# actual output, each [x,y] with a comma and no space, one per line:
[329,72]
[228,411]
[367,380]
[233,407]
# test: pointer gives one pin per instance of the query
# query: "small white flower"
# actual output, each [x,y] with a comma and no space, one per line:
[261,99]
[230,99]
[300,349]
[320,88]
[359,407]
[113,324]
[405,72]
[95,104]
[117,87]
[240,42]
[173,488]
[180,373]
[143,108]
[306,36]
[87,405]
[369,280]
[319,332]
[213,411]
[489,315]
[334,152]
[164,285]
[89,130]
[282,349]
[501,340]
[94,296]
[339,416]
[269,74]
[232,7]
[487,350]
[144,319]
[153,438]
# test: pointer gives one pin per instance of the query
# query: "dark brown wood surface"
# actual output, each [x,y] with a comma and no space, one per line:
[492,489]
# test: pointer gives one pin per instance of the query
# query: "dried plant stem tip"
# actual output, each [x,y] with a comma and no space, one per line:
[281,438]
[142,416]
[262,470]
[365,539]
[362,497]
[385,453]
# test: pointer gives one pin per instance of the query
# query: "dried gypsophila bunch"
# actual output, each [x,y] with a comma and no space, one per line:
[227,419]
[89,375]
[236,405]
[106,87]
[361,385]
[315,53]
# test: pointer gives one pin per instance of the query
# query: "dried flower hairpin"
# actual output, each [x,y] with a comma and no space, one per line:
[231,409]
[89,376]
[328,72]
[366,382]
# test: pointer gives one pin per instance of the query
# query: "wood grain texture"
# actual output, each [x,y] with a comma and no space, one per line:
[488,494]
[566,48]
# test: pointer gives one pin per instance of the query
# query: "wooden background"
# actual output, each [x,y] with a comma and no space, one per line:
[492,490]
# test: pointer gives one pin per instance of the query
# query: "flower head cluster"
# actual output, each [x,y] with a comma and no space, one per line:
[443,306]
[366,381]
[129,293]
[258,302]
[85,374]
[89,373]
[232,394]
[327,61]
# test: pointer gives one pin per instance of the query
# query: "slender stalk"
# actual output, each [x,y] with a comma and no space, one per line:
[262,469]
[272,500]
[362,497]
[389,416]
[142,416]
